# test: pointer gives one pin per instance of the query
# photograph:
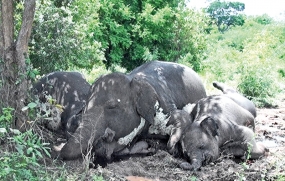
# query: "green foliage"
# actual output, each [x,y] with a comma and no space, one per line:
[6,117]
[97,178]
[282,72]
[30,144]
[263,19]
[134,32]
[23,164]
[84,33]
[57,42]
[226,14]
[250,56]
[190,40]
[257,85]
[16,167]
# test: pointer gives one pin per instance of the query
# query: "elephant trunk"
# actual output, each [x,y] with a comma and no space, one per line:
[196,164]
[86,135]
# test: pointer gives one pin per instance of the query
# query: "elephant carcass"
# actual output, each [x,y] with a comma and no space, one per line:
[67,89]
[237,97]
[119,103]
[220,125]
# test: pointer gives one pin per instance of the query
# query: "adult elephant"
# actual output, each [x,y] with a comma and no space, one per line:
[120,103]
[69,90]
[236,96]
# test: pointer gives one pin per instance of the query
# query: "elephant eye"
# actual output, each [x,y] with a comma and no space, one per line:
[202,146]
[111,104]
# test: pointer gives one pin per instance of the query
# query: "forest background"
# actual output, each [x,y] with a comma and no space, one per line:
[97,37]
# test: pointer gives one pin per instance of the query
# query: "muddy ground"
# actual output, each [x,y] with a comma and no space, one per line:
[270,129]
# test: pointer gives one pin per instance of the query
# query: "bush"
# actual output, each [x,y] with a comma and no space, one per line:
[258,85]
[23,164]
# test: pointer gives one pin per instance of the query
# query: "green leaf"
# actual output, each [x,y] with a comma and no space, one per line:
[20,148]
[46,152]
[3,130]
[38,154]
[32,105]
[25,108]
[30,150]
[15,131]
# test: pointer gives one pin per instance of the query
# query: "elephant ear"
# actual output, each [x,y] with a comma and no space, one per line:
[108,135]
[210,126]
[180,121]
[145,97]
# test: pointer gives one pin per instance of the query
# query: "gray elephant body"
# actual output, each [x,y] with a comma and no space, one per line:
[220,124]
[237,97]
[120,104]
[68,89]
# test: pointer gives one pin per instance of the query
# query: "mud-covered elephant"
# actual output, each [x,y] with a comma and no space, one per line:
[122,106]
[236,96]
[219,125]
[69,90]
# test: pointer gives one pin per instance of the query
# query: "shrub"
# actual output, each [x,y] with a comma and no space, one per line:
[258,85]
[23,164]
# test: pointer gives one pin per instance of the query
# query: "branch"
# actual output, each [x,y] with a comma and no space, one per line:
[26,27]
[7,23]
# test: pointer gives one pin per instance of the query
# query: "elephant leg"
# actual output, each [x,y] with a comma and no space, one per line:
[258,151]
[237,149]
[247,151]
[140,147]
[247,146]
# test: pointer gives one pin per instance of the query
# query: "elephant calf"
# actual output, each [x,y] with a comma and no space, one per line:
[217,124]
[69,90]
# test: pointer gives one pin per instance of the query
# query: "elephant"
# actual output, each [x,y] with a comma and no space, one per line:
[121,107]
[237,97]
[218,124]
[69,90]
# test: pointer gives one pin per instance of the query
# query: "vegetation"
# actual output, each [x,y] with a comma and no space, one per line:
[225,14]
[98,36]
[250,58]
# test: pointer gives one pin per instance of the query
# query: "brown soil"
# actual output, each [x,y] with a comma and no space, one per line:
[270,129]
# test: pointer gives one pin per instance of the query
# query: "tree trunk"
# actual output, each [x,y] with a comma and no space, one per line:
[14,82]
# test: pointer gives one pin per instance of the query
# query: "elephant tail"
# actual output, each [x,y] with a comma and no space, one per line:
[219,85]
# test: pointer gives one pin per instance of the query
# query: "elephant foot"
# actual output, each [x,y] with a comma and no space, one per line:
[186,166]
[258,151]
[55,151]
[58,147]
[140,147]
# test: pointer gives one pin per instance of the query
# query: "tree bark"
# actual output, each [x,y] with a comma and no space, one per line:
[14,80]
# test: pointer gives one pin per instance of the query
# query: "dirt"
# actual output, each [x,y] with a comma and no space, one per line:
[161,166]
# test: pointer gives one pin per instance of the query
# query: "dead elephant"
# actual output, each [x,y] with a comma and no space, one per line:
[219,125]
[69,90]
[237,97]
[122,106]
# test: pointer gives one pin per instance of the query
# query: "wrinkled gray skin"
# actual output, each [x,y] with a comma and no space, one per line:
[220,125]
[237,97]
[117,103]
[180,120]
[70,90]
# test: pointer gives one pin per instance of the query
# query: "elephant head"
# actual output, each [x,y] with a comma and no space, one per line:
[67,89]
[116,102]
[219,124]
[200,144]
